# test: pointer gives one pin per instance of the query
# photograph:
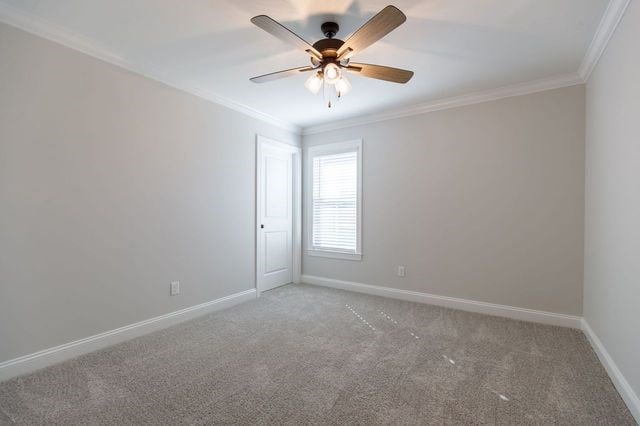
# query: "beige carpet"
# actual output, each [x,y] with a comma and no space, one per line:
[308,355]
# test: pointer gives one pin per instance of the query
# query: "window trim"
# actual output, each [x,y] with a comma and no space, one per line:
[328,149]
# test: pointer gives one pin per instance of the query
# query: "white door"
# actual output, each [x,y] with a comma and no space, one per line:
[275,215]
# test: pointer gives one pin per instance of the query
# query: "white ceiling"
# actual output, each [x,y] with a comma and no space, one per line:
[453,46]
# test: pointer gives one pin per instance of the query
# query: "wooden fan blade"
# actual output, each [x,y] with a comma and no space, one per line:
[280,74]
[395,75]
[278,30]
[377,27]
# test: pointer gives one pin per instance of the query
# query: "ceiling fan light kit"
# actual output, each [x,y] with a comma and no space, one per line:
[331,57]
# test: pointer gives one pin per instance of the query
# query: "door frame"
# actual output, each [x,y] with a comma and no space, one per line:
[296,206]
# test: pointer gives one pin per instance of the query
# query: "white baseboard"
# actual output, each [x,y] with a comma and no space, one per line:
[28,363]
[513,312]
[621,384]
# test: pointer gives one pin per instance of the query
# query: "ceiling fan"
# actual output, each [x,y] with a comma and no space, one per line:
[331,56]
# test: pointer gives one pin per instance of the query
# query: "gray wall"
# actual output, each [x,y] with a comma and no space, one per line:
[612,224]
[111,186]
[484,202]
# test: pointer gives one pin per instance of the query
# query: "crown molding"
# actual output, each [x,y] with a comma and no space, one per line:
[45,29]
[607,27]
[453,102]
[610,20]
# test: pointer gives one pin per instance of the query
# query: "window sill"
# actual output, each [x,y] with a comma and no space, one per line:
[334,254]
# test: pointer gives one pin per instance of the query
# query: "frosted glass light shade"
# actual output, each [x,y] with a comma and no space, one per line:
[343,86]
[314,83]
[332,73]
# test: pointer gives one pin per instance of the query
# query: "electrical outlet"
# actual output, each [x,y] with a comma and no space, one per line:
[401,271]
[175,288]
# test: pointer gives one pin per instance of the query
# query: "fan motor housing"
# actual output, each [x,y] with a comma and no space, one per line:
[328,47]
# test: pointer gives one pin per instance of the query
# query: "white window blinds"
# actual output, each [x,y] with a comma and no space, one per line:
[335,202]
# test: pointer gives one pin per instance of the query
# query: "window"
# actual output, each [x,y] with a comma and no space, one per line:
[334,189]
